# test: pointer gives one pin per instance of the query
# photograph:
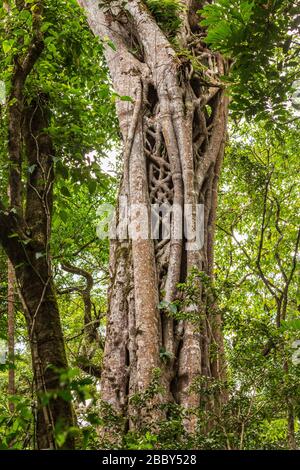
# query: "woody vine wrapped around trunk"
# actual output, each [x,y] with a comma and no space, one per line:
[174,133]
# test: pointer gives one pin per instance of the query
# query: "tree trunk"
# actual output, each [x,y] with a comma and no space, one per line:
[26,240]
[11,331]
[35,278]
[174,133]
[25,236]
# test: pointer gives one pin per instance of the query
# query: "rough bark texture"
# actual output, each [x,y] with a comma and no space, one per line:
[25,238]
[25,229]
[11,331]
[174,135]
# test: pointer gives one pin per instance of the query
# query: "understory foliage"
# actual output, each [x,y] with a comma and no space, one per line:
[167,14]
[258,37]
[256,281]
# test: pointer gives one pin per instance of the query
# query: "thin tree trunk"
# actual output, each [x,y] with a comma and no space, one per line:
[11,331]
[291,438]
[174,133]
[35,279]
[291,429]
[26,240]
[25,235]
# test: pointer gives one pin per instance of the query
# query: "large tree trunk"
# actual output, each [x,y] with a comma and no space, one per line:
[174,133]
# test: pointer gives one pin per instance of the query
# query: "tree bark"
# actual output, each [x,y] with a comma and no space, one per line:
[26,240]
[25,236]
[174,133]
[11,331]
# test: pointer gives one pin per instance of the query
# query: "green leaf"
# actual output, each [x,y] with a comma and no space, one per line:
[92,185]
[290,325]
[65,191]
[126,98]
[111,45]
[7,45]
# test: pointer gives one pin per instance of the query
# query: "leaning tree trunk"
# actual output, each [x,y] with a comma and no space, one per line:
[174,132]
